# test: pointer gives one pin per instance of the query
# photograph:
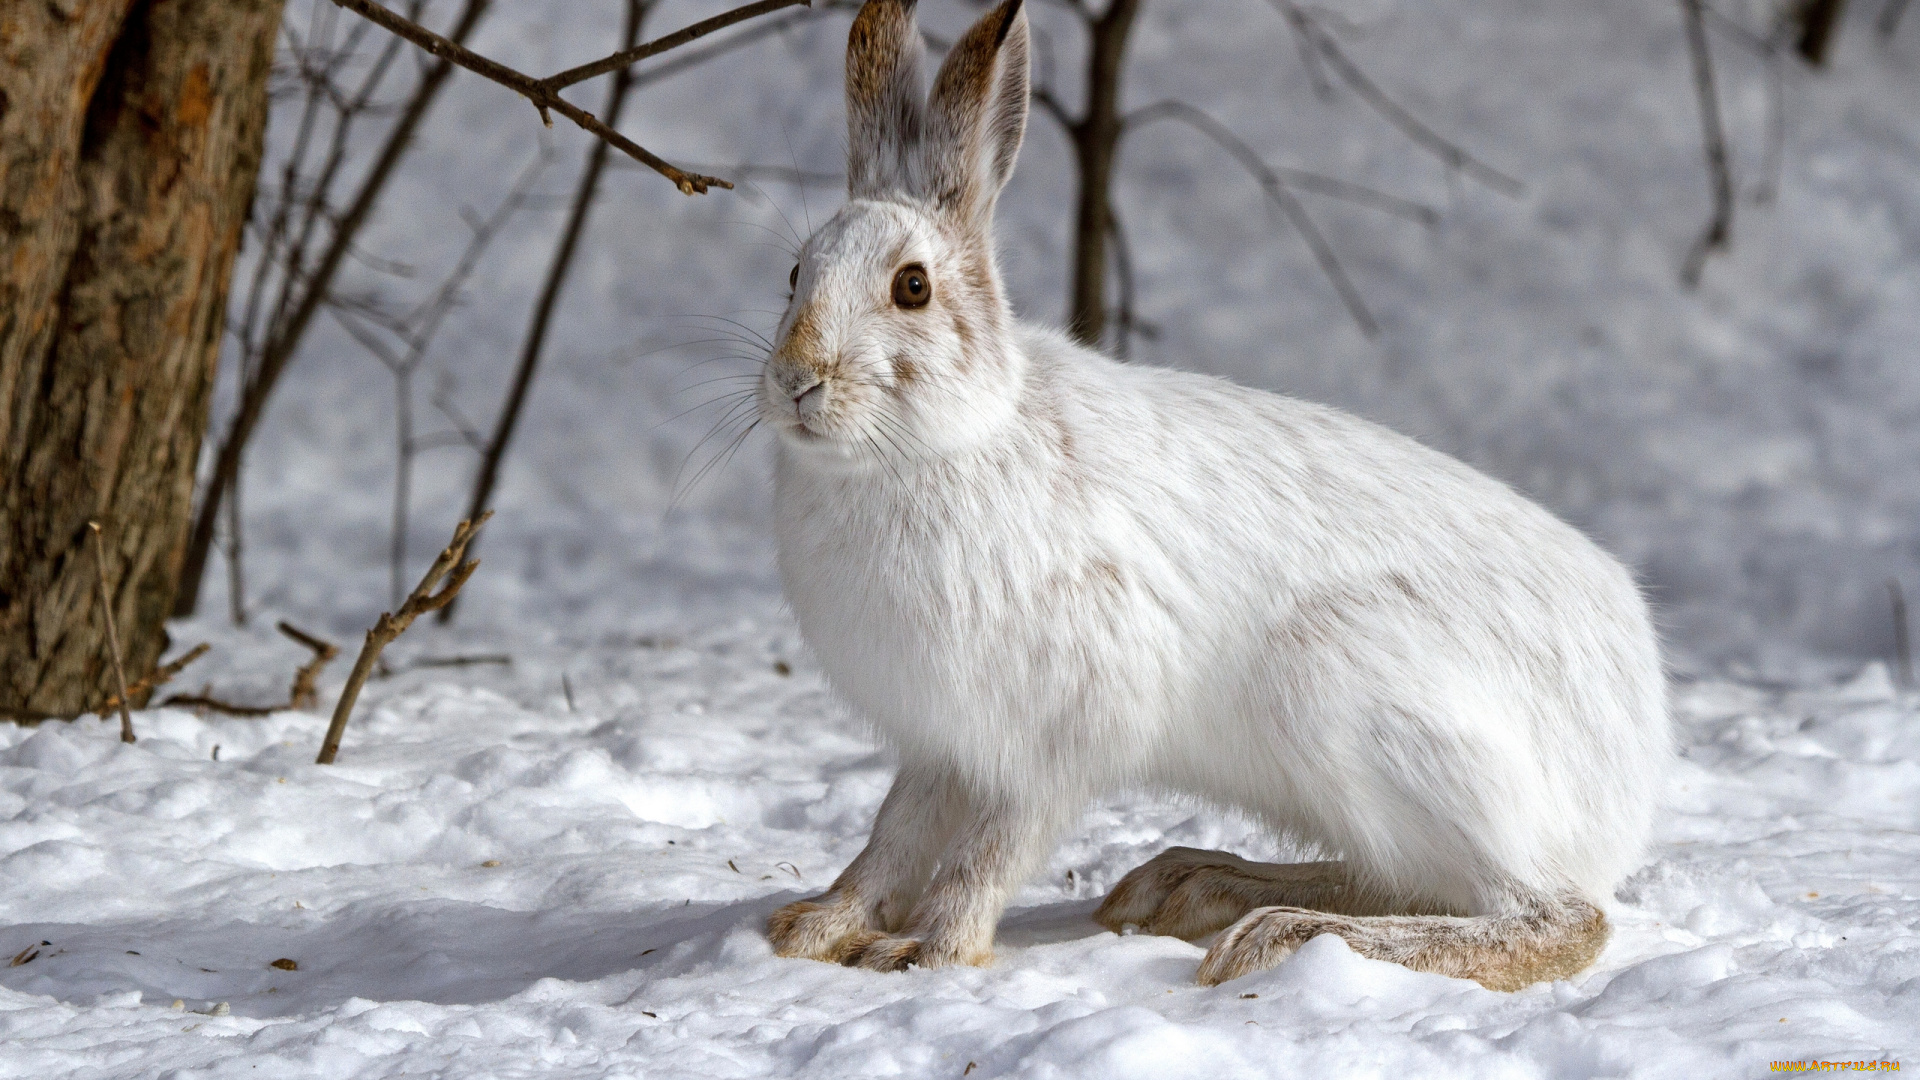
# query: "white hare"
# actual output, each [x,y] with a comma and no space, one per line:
[1043,576]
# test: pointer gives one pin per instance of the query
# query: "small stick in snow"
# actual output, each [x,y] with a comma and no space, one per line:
[207,701]
[304,695]
[477,660]
[154,679]
[113,635]
[455,568]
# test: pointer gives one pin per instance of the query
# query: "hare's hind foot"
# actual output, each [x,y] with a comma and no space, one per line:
[1545,940]
[1188,893]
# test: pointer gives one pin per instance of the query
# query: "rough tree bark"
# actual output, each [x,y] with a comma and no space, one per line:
[130,136]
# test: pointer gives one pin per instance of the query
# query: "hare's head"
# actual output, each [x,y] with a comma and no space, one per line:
[897,337]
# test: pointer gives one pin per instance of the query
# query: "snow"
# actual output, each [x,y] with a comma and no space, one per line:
[563,865]
[642,837]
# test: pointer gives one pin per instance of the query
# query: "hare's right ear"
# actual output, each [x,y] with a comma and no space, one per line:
[885,103]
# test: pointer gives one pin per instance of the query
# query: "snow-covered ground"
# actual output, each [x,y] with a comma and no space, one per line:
[562,865]
[493,884]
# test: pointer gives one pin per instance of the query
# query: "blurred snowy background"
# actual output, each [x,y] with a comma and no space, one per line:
[1747,447]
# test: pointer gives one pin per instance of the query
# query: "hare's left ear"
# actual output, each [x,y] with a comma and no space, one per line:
[978,115]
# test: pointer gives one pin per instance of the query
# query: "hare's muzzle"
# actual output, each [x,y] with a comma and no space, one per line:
[810,403]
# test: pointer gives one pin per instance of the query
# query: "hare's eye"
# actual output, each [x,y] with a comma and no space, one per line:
[793,279]
[912,287]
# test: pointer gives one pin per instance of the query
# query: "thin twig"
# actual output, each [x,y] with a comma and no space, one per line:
[214,704]
[693,58]
[1718,234]
[1767,50]
[1122,270]
[534,342]
[113,635]
[1303,43]
[154,679]
[477,660]
[1453,154]
[784,174]
[628,57]
[1277,191]
[1902,642]
[1359,195]
[452,566]
[304,694]
[304,287]
[416,329]
[1889,21]
[544,93]
[1773,153]
[1817,19]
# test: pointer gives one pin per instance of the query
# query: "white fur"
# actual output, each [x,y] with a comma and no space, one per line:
[1044,576]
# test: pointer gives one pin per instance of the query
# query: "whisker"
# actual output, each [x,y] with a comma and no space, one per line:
[712,463]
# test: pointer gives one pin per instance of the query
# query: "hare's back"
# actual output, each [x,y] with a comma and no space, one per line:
[1358,588]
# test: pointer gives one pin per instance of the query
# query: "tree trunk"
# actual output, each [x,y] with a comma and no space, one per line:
[1096,140]
[130,136]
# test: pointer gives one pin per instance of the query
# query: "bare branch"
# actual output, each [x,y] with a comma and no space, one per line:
[1889,22]
[693,58]
[544,93]
[154,679]
[1359,195]
[494,452]
[475,660]
[1277,191]
[304,694]
[1817,19]
[1303,43]
[1123,270]
[454,569]
[214,704]
[1767,49]
[628,57]
[785,174]
[1454,155]
[1718,234]
[415,330]
[1043,97]
[303,289]
[113,635]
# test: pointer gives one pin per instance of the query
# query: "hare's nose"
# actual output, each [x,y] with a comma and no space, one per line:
[809,400]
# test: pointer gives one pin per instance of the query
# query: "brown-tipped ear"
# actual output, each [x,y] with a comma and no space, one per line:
[884,102]
[978,114]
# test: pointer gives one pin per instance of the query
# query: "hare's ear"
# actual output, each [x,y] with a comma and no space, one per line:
[884,98]
[978,115]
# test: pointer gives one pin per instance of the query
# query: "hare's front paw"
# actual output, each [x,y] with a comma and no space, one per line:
[883,953]
[825,928]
